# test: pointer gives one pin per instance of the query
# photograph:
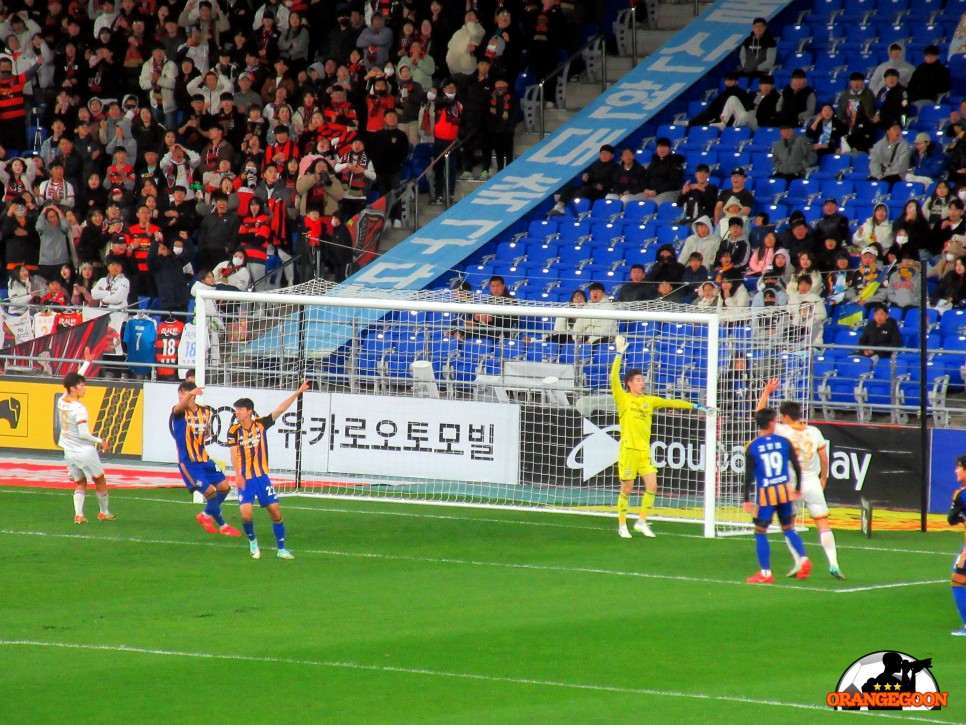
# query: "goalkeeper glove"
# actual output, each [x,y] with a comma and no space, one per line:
[702,408]
[621,344]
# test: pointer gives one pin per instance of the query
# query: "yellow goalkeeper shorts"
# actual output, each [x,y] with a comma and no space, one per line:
[632,463]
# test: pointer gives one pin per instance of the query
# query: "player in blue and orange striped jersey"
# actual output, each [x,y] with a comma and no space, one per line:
[249,457]
[957,515]
[767,462]
[190,426]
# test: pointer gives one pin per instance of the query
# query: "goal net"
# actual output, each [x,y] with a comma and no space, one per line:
[445,396]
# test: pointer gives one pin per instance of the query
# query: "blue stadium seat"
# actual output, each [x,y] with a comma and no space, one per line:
[837,189]
[671,131]
[573,231]
[542,228]
[877,389]
[672,234]
[573,255]
[669,211]
[952,325]
[701,137]
[606,209]
[639,210]
[610,256]
[541,252]
[510,251]
[580,206]
[800,191]
[605,232]
[763,139]
[848,371]
[645,255]
[734,136]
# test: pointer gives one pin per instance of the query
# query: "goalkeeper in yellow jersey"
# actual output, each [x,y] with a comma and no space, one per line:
[634,409]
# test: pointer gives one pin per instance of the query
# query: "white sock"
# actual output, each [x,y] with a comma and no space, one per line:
[795,557]
[102,503]
[78,503]
[828,543]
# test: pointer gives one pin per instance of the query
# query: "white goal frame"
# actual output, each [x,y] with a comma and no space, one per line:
[380,303]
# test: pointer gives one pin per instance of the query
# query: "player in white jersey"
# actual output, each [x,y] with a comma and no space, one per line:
[80,448]
[812,450]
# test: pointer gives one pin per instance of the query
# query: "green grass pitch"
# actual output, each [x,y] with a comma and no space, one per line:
[423,614]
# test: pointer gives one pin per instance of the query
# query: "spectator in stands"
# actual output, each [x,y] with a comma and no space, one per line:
[234,272]
[892,102]
[83,287]
[715,110]
[792,154]
[738,191]
[931,78]
[760,226]
[955,126]
[111,291]
[664,174]
[889,157]
[498,128]
[807,307]
[448,117]
[910,230]
[390,148]
[357,173]
[412,96]
[19,234]
[56,245]
[169,280]
[758,51]
[498,325]
[797,102]
[732,210]
[629,182]
[665,269]
[461,56]
[956,154]
[880,332]
[839,279]
[635,289]
[928,161]
[699,197]
[732,291]
[218,233]
[563,326]
[807,266]
[936,207]
[758,111]
[952,228]
[828,253]
[951,291]
[826,131]
[735,246]
[596,182]
[13,109]
[595,331]
[695,274]
[476,90]
[877,229]
[782,267]
[903,290]
[707,295]
[762,258]
[798,238]
[856,109]
[866,278]
[545,32]
[896,61]
[24,289]
[769,283]
[946,261]
[421,66]
[832,224]
[703,240]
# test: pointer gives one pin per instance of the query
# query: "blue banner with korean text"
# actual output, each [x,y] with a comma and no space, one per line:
[612,117]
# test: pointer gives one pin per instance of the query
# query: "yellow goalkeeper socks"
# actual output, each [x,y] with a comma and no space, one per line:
[647,503]
[622,500]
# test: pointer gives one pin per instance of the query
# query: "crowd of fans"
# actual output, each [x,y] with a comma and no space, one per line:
[146,145]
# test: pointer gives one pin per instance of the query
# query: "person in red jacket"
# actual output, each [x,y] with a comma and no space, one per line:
[448,116]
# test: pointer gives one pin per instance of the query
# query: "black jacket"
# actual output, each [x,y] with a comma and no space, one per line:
[663,175]
[173,293]
[885,335]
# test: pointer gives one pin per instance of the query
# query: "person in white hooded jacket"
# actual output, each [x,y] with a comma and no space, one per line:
[807,308]
[461,53]
[703,240]
[877,229]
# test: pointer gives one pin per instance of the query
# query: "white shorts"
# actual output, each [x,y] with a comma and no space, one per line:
[83,465]
[813,497]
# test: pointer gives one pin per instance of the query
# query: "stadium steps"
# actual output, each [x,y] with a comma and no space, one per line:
[674,16]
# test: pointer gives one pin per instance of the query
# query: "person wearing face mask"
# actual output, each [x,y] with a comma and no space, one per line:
[389,148]
[421,66]
[953,227]
[378,102]
[234,272]
[169,279]
[461,54]
[449,117]
[499,126]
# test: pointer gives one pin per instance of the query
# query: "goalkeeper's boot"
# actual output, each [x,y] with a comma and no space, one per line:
[959,632]
[80,520]
[760,578]
[227,530]
[207,522]
[254,550]
[284,554]
[623,532]
[805,569]
[107,517]
[837,573]
[641,525]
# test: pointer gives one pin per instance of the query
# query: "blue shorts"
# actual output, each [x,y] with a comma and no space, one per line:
[784,510]
[259,487]
[199,476]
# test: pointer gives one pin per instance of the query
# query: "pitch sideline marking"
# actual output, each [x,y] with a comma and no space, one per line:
[358,666]
[445,517]
[472,562]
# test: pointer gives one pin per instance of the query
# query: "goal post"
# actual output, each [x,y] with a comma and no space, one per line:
[439,396]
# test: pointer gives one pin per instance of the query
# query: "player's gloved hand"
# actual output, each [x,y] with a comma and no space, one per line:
[703,408]
[621,344]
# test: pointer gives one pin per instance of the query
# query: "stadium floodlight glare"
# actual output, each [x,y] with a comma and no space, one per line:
[426,396]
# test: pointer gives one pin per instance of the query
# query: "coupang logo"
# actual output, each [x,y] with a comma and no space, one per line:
[888,680]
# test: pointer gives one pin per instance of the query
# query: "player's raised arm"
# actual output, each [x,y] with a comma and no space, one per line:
[770,387]
[287,403]
[89,357]
[616,384]
[183,405]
